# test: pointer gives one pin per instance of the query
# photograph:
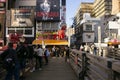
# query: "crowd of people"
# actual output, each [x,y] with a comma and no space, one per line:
[16,59]
[89,48]
[92,49]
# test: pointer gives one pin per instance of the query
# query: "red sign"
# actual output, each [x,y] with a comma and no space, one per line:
[61,34]
[50,14]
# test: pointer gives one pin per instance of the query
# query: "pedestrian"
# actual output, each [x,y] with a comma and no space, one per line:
[95,50]
[22,55]
[36,56]
[53,51]
[11,63]
[62,52]
[67,54]
[40,54]
[46,55]
[31,58]
[58,52]
[81,48]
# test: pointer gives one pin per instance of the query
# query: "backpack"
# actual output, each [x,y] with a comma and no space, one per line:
[22,52]
[46,53]
[9,62]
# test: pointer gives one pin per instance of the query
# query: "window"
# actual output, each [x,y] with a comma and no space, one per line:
[20,31]
[88,27]
[28,32]
[11,31]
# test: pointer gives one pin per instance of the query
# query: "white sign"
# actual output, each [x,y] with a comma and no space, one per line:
[114,25]
[88,37]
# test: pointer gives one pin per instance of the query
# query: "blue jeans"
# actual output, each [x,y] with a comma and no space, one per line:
[15,71]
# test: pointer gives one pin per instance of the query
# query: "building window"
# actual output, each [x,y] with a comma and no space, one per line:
[88,27]
[27,32]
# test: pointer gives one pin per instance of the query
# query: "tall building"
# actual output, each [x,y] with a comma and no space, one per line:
[36,18]
[101,8]
[47,18]
[115,6]
[83,8]
[4,6]
[98,9]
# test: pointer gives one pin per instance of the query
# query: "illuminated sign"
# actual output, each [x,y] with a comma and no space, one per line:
[48,10]
[2,0]
[22,18]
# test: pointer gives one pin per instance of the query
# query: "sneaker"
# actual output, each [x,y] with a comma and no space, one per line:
[40,68]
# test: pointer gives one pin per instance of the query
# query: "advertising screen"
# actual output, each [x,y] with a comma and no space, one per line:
[22,18]
[48,10]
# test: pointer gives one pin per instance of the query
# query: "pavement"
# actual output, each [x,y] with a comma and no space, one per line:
[57,69]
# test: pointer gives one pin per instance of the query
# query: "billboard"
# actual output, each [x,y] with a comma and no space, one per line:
[22,18]
[48,10]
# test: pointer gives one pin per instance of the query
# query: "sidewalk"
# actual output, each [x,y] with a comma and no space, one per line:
[57,69]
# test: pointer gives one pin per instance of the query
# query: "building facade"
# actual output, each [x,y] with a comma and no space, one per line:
[5,5]
[98,9]
[101,8]
[20,19]
[84,8]
[115,6]
[28,17]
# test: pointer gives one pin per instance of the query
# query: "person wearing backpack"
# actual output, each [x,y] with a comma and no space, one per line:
[11,63]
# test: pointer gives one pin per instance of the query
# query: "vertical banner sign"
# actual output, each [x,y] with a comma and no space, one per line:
[63,12]
[63,15]
[48,10]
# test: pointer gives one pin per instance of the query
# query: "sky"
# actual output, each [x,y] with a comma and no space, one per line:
[71,8]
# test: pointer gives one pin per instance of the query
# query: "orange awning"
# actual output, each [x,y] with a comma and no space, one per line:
[50,42]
